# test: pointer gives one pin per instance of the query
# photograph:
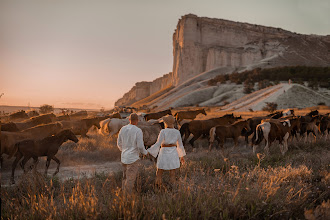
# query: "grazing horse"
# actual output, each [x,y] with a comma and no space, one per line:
[18,115]
[288,112]
[275,115]
[202,127]
[272,131]
[35,121]
[324,125]
[309,127]
[81,127]
[221,132]
[80,114]
[46,147]
[179,116]
[10,126]
[157,115]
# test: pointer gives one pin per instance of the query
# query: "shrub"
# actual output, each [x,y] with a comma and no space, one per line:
[270,107]
[44,109]
[248,86]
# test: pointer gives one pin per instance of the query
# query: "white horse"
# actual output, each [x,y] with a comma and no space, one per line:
[112,126]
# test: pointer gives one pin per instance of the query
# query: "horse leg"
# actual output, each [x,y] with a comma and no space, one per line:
[194,139]
[58,164]
[47,165]
[23,162]
[13,167]
[266,148]
[34,165]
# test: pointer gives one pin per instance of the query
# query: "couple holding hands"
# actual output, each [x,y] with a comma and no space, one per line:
[168,147]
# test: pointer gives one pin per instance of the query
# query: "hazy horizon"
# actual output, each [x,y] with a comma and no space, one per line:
[87,54]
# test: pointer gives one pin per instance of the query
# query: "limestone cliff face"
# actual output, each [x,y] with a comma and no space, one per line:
[144,89]
[202,44]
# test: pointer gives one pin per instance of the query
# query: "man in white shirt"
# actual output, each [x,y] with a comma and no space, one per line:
[130,143]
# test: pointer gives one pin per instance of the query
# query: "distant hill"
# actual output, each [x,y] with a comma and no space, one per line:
[10,109]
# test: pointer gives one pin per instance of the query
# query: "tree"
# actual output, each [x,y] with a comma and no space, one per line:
[44,109]
[248,86]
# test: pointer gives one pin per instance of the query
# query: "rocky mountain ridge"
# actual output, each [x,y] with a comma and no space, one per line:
[218,46]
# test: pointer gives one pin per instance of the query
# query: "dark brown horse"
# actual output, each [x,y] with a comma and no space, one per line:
[202,127]
[157,115]
[35,121]
[221,132]
[10,126]
[179,116]
[9,139]
[46,147]
[81,127]
[18,115]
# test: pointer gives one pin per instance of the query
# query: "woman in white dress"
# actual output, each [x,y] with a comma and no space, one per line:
[169,149]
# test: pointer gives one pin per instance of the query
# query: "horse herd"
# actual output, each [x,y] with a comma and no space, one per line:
[43,135]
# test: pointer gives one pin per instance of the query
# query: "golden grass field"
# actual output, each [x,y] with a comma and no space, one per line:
[241,186]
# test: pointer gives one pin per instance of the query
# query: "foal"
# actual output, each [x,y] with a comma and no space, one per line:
[46,147]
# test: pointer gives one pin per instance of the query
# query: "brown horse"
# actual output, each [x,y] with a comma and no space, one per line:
[179,116]
[35,121]
[157,115]
[221,132]
[202,127]
[18,115]
[9,139]
[46,147]
[10,126]
[81,127]
[271,131]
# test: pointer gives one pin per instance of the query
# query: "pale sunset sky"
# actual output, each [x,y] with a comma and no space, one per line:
[87,54]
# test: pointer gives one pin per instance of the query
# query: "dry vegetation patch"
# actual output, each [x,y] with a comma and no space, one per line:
[209,187]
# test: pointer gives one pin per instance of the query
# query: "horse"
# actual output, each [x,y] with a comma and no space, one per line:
[253,123]
[150,132]
[179,116]
[34,121]
[202,127]
[80,114]
[275,115]
[18,115]
[157,115]
[324,125]
[81,127]
[221,132]
[9,139]
[32,113]
[112,126]
[272,131]
[48,147]
[309,127]
[10,126]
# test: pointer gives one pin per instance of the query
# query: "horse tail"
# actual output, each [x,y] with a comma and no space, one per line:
[104,130]
[184,130]
[259,135]
[212,134]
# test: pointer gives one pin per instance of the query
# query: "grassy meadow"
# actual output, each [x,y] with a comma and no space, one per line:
[241,186]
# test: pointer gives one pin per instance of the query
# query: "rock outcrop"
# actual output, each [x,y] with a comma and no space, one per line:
[144,89]
[201,45]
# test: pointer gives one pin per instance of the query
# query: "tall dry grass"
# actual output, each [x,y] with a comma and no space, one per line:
[96,149]
[208,187]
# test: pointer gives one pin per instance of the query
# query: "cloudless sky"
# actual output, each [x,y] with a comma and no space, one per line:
[87,54]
